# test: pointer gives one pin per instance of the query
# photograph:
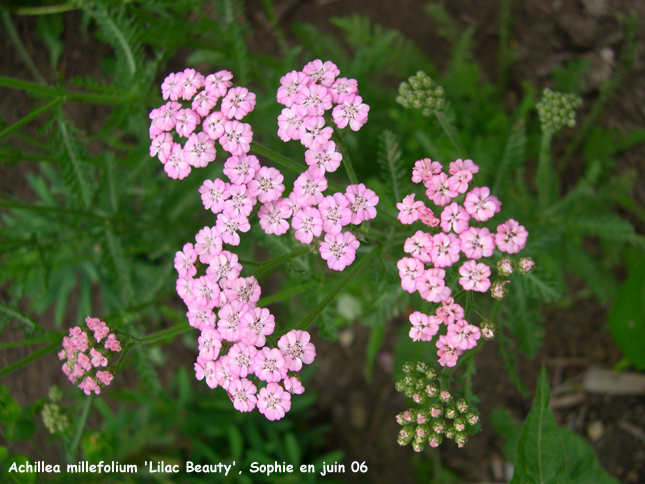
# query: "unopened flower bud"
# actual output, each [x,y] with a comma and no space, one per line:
[54,418]
[405,435]
[432,374]
[431,390]
[436,410]
[420,398]
[459,424]
[556,110]
[438,426]
[422,416]
[55,393]
[435,440]
[526,265]
[449,432]
[445,396]
[462,405]
[421,92]
[488,329]
[505,266]
[408,367]
[410,380]
[419,444]
[461,438]
[499,289]
[451,412]
[422,431]
[472,418]
[400,386]
[404,418]
[422,367]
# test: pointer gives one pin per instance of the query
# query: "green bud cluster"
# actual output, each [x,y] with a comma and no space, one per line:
[53,415]
[421,92]
[440,416]
[557,109]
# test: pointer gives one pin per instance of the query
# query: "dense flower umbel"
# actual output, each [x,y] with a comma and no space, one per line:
[86,354]
[437,416]
[557,109]
[455,230]
[421,92]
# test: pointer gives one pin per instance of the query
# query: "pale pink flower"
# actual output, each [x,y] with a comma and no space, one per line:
[237,137]
[224,266]
[100,331]
[187,121]
[97,358]
[204,102]
[432,285]
[200,318]
[207,370]
[409,210]
[153,131]
[474,276]
[460,165]
[438,191]
[352,111]
[214,194]
[428,218]
[237,103]
[206,292]
[312,100]
[409,270]
[260,323]
[112,344]
[341,88]
[89,385]
[228,228]
[242,393]
[230,315]
[172,87]
[445,251]
[166,116]
[244,289]
[221,373]
[266,185]
[447,353]
[241,169]
[459,181]
[240,359]
[184,288]
[297,349]
[176,165]
[424,327]
[269,364]
[161,147]
[185,261]
[463,335]
[104,377]
[319,73]
[191,82]
[362,203]
[290,125]
[316,134]
[419,246]
[455,218]
[308,187]
[273,401]
[91,323]
[273,217]
[84,361]
[480,204]
[240,203]
[209,244]
[199,150]
[210,343]
[339,250]
[424,170]
[218,83]
[213,125]
[291,85]
[477,243]
[324,159]
[293,385]
[450,311]
[335,212]
[511,237]
[307,223]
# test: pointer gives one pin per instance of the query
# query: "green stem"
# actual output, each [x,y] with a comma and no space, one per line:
[504,52]
[25,342]
[287,293]
[544,176]
[13,313]
[30,117]
[163,334]
[15,38]
[280,259]
[73,446]
[450,132]
[357,267]
[29,358]
[45,9]
[347,162]
[288,163]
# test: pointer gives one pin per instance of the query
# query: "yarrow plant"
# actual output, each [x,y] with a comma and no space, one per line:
[222,305]
[86,354]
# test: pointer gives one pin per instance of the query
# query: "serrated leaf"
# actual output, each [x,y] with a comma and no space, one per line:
[513,156]
[608,227]
[146,370]
[582,464]
[541,284]
[393,172]
[540,455]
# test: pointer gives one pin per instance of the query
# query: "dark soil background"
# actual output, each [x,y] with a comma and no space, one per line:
[546,35]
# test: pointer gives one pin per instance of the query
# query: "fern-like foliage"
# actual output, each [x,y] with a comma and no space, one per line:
[393,170]
[513,156]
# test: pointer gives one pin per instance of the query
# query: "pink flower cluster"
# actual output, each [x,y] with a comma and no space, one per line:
[307,95]
[184,119]
[85,355]
[223,307]
[431,253]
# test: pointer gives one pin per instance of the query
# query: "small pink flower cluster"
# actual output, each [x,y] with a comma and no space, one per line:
[223,125]
[307,95]
[444,248]
[85,355]
[241,330]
